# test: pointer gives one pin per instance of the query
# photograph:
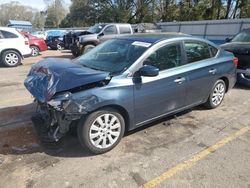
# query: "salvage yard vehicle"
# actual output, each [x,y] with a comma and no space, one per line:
[71,38]
[54,39]
[98,34]
[37,45]
[13,47]
[240,47]
[127,82]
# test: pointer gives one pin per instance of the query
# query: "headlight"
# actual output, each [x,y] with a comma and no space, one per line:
[59,101]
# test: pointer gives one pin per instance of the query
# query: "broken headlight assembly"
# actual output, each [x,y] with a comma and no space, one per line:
[70,105]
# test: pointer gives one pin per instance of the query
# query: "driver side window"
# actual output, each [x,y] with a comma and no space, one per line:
[110,30]
[166,57]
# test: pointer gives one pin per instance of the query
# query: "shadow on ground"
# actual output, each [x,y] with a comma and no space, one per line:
[19,136]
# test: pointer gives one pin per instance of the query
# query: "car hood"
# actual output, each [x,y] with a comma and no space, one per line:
[53,75]
[237,47]
[83,38]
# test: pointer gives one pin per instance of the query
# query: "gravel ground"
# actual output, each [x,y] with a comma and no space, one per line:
[142,155]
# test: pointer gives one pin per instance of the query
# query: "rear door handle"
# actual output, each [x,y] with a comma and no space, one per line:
[212,71]
[180,80]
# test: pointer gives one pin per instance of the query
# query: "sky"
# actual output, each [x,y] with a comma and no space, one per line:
[37,4]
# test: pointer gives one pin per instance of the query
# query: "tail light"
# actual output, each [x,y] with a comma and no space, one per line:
[235,61]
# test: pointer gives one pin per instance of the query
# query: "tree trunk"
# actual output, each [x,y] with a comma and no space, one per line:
[229,2]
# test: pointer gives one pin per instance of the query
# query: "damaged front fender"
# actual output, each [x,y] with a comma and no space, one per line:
[59,113]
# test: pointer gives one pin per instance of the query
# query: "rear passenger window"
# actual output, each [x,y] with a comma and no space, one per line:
[166,57]
[197,51]
[7,34]
[124,29]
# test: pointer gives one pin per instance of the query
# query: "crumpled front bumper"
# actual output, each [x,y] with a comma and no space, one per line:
[57,116]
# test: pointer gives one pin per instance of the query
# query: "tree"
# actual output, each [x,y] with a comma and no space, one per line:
[16,11]
[55,13]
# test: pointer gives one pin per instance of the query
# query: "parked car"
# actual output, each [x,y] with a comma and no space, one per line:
[240,47]
[37,45]
[97,34]
[54,39]
[71,38]
[13,47]
[39,34]
[127,82]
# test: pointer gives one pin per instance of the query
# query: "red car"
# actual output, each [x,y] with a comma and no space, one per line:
[36,44]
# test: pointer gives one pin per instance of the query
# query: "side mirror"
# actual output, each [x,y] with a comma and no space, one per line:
[148,70]
[228,39]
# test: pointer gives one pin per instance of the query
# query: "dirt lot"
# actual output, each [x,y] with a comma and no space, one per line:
[197,148]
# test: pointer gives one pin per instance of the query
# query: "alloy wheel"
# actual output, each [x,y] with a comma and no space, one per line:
[105,131]
[35,51]
[11,59]
[218,94]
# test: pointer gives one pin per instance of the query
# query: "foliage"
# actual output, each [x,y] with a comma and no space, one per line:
[88,12]
[55,13]
[16,11]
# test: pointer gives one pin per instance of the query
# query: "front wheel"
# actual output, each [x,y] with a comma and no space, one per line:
[101,131]
[35,50]
[217,95]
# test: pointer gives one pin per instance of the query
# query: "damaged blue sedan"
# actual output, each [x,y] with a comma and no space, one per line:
[127,82]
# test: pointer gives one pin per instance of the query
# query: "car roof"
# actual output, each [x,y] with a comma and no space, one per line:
[8,28]
[153,37]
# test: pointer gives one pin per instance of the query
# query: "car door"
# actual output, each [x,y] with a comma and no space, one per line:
[10,40]
[202,70]
[1,42]
[108,33]
[159,95]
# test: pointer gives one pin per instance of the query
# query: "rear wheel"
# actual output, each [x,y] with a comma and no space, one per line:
[11,58]
[35,50]
[101,131]
[217,95]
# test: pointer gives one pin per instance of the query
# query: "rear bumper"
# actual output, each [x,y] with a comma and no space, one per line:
[243,77]
[26,52]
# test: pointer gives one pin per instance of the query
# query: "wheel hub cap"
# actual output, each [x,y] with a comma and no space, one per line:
[11,59]
[218,94]
[105,131]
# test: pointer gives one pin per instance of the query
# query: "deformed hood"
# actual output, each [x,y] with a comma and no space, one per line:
[53,75]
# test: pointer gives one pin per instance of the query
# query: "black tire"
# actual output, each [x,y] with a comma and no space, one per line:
[35,50]
[59,47]
[87,48]
[75,53]
[211,104]
[7,62]
[84,130]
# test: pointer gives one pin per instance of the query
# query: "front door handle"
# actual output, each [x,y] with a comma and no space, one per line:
[212,71]
[180,80]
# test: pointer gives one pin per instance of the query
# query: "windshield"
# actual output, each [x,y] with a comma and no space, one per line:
[114,56]
[95,29]
[242,37]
